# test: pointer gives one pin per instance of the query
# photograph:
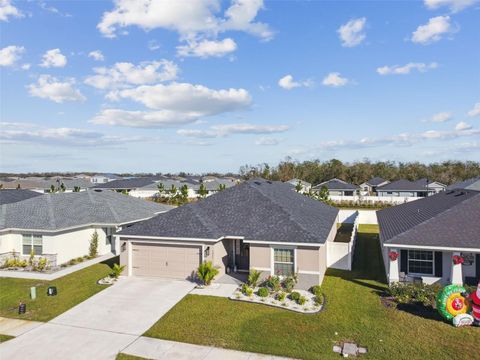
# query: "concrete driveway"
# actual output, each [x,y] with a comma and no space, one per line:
[101,326]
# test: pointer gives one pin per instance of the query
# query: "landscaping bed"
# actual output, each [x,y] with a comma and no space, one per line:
[72,290]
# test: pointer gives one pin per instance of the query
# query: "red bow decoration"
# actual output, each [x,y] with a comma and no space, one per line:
[393,255]
[457,259]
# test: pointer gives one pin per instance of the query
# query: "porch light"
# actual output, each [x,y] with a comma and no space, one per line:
[206,253]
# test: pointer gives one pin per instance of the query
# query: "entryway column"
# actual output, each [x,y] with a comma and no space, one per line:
[394,268]
[456,275]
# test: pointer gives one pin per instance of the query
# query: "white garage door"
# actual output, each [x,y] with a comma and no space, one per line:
[173,261]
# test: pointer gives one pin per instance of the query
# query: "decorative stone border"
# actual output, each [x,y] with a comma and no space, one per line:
[107,280]
[308,308]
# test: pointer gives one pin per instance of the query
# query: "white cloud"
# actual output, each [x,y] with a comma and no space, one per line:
[125,74]
[240,16]
[10,55]
[288,83]
[96,55]
[188,98]
[8,10]
[334,79]
[433,30]
[267,141]
[52,9]
[207,48]
[352,33]
[442,116]
[406,69]
[53,58]
[463,126]
[51,88]
[230,129]
[475,111]
[453,5]
[62,136]
[142,119]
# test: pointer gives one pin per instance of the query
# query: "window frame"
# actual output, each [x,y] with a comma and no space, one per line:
[32,244]
[432,261]
[293,263]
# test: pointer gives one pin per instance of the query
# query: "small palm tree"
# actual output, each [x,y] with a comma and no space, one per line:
[253,277]
[117,270]
[202,191]
[206,272]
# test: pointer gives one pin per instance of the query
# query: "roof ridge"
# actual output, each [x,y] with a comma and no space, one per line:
[427,221]
[111,208]
[208,224]
[51,214]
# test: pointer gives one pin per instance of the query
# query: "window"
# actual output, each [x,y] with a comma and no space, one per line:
[283,261]
[32,242]
[420,262]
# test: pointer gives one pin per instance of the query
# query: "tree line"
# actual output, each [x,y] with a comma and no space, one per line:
[316,171]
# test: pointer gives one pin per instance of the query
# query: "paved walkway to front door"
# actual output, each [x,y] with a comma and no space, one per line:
[103,325]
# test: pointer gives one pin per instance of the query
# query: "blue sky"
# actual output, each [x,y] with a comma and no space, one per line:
[168,86]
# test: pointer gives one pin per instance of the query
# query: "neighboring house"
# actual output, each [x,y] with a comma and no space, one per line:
[104,178]
[431,185]
[59,226]
[9,196]
[306,186]
[428,233]
[44,185]
[370,186]
[406,188]
[337,187]
[470,184]
[129,186]
[258,224]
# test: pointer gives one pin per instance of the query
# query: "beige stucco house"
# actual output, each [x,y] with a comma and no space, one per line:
[258,224]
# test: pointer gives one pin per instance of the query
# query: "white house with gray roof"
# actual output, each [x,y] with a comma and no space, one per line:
[59,226]
[257,224]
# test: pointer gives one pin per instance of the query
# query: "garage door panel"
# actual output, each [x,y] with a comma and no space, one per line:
[165,260]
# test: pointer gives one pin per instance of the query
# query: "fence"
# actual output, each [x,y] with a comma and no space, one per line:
[396,200]
[349,216]
[339,254]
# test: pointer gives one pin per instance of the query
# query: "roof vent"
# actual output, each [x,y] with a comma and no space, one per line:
[98,190]
[268,181]
[460,193]
[450,192]
[258,182]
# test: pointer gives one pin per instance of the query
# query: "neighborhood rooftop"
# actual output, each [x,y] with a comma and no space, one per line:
[405,185]
[65,210]
[337,184]
[256,210]
[447,219]
[8,196]
[470,184]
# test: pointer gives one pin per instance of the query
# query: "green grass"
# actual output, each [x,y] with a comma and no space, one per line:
[368,228]
[72,290]
[4,338]
[122,356]
[353,312]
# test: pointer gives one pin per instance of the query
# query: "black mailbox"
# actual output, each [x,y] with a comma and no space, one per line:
[22,308]
[52,291]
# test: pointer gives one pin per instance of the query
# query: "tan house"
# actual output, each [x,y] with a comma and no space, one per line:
[258,224]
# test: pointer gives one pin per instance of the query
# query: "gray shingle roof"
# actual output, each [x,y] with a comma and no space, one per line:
[447,219]
[336,184]
[403,185]
[64,210]
[8,196]
[126,184]
[375,181]
[469,184]
[256,209]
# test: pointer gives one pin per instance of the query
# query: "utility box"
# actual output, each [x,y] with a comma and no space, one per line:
[22,308]
[33,293]
[52,291]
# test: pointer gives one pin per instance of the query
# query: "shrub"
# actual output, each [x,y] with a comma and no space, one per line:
[42,264]
[253,277]
[31,259]
[319,299]
[295,296]
[289,283]
[273,282]
[117,270]
[301,300]
[315,289]
[206,272]
[414,293]
[93,249]
[79,259]
[281,296]
[262,292]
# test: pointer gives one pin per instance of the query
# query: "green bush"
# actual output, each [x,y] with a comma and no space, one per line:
[295,296]
[414,293]
[247,290]
[289,283]
[301,300]
[273,282]
[93,248]
[206,272]
[253,277]
[117,270]
[319,299]
[315,289]
[42,264]
[281,296]
[263,292]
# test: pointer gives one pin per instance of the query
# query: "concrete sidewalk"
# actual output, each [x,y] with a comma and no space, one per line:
[157,349]
[16,327]
[56,274]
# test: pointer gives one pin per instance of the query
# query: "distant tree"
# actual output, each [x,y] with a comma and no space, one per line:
[323,194]
[62,187]
[1,186]
[161,189]
[18,186]
[76,189]
[299,186]
[221,187]
[184,194]
[202,191]
[52,189]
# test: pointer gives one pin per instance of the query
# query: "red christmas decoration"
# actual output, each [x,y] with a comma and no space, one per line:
[457,259]
[393,255]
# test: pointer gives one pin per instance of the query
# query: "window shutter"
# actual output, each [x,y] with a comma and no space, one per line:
[477,263]
[404,261]
[438,264]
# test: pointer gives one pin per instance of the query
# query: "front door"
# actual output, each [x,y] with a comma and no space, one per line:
[242,255]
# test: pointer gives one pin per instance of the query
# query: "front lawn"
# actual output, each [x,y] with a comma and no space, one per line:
[72,290]
[4,338]
[353,312]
